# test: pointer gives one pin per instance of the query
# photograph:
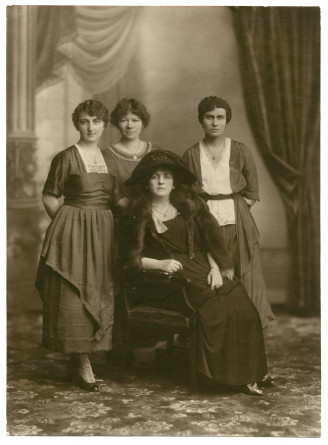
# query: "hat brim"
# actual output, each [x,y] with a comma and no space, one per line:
[183,175]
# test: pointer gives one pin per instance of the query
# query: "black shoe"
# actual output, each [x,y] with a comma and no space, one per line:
[252,390]
[92,387]
[266,382]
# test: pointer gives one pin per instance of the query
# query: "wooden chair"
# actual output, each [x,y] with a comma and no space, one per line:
[159,301]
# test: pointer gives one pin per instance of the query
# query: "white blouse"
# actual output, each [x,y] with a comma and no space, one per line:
[216,181]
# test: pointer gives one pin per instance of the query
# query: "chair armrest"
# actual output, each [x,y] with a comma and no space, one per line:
[173,282]
[149,283]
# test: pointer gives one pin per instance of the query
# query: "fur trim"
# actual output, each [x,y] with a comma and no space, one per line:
[133,228]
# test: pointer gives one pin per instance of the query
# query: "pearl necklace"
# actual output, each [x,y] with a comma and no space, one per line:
[136,153]
[166,212]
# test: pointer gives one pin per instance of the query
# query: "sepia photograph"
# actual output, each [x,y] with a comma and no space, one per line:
[162,246]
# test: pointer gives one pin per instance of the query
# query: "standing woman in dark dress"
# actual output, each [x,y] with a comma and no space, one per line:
[227,180]
[75,271]
[169,228]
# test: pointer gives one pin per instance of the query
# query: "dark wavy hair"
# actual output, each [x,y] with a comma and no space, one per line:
[92,108]
[209,104]
[126,106]
[138,216]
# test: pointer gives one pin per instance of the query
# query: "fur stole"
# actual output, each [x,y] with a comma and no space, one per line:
[138,225]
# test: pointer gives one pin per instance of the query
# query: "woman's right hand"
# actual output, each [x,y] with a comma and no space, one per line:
[170,265]
[229,273]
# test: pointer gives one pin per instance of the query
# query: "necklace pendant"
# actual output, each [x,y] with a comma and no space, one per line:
[134,157]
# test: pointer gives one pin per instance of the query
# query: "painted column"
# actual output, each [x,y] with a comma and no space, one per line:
[21,48]
[23,204]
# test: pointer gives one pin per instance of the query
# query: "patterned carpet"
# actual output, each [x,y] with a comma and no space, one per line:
[154,400]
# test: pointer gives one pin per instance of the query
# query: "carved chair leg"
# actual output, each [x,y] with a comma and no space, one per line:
[124,343]
[113,356]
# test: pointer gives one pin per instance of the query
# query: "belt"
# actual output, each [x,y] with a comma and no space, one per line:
[208,197]
[87,205]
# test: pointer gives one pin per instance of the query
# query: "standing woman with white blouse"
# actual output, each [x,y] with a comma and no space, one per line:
[227,180]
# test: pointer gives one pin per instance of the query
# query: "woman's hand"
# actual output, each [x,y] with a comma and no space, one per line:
[249,202]
[229,273]
[214,278]
[170,266]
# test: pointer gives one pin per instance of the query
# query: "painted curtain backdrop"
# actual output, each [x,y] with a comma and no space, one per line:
[96,43]
[279,55]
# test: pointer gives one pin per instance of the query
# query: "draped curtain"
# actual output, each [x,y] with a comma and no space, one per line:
[279,51]
[96,43]
[55,25]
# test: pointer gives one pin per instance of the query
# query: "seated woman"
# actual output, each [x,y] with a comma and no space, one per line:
[169,228]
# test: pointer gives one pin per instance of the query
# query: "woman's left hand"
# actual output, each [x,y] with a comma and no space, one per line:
[249,202]
[214,278]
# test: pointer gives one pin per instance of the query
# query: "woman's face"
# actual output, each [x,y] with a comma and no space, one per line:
[215,122]
[90,128]
[161,184]
[130,126]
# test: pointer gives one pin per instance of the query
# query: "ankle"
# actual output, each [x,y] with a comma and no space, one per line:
[85,368]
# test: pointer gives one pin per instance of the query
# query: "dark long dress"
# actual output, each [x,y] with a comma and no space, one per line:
[75,271]
[230,339]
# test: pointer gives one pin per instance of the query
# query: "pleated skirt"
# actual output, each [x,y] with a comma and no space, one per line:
[252,277]
[67,326]
[75,281]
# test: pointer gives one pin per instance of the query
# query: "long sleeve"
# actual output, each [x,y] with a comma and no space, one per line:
[250,174]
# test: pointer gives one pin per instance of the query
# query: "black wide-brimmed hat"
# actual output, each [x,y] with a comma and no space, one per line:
[161,159]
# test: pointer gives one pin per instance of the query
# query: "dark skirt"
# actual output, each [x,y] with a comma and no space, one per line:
[252,276]
[230,344]
[67,326]
[75,280]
